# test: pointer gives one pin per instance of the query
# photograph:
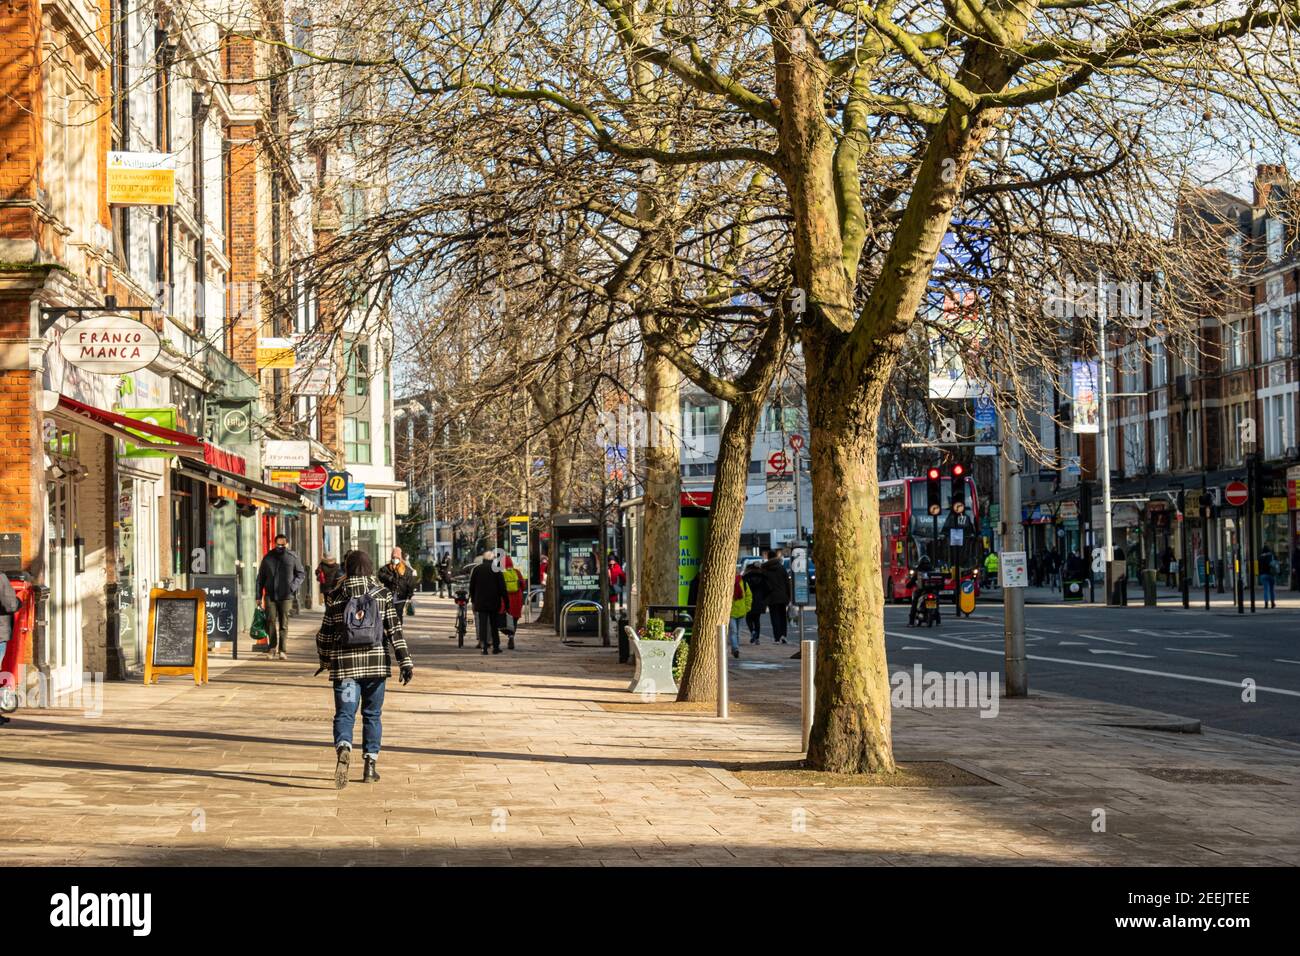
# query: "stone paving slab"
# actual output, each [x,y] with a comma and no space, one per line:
[512,760]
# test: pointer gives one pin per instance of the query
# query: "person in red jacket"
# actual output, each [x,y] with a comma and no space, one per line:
[516,590]
[617,579]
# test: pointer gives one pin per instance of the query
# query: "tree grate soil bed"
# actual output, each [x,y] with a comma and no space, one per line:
[670,706]
[1201,775]
[793,775]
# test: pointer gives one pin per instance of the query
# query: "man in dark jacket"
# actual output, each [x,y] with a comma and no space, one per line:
[444,574]
[360,673]
[278,579]
[399,577]
[757,582]
[487,596]
[777,579]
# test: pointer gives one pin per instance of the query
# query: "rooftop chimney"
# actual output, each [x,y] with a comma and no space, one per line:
[1266,176]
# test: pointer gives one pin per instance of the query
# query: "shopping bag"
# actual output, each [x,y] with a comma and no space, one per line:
[258,628]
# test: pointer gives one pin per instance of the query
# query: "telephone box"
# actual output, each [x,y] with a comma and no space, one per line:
[576,557]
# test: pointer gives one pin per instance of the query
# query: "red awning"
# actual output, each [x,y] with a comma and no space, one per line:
[130,430]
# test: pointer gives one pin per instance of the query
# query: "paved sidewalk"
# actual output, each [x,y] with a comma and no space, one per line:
[513,760]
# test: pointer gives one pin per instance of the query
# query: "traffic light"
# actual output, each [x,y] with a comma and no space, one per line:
[958,489]
[933,496]
[1182,502]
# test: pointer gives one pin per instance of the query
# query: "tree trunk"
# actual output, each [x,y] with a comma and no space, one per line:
[661,501]
[851,730]
[561,468]
[718,569]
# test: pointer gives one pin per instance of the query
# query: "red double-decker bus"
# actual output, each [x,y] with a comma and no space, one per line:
[907,530]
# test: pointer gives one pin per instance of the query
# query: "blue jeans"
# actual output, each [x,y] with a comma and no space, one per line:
[369,693]
[733,631]
[1270,594]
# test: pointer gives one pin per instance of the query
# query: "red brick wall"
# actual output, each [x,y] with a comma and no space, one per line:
[241,241]
[21,115]
[21,481]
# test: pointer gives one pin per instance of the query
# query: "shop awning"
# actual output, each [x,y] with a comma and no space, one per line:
[260,494]
[141,434]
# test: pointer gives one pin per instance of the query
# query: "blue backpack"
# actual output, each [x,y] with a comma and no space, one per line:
[362,624]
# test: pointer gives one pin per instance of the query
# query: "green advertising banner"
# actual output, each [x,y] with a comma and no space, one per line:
[692,534]
[162,417]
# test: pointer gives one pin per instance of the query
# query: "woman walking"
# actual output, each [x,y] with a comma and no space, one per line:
[359,636]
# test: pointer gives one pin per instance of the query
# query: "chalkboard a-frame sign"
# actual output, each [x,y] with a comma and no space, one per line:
[178,638]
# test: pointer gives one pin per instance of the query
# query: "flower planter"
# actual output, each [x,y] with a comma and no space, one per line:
[654,666]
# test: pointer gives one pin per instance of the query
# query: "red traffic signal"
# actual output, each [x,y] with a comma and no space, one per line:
[933,496]
[958,489]
[958,470]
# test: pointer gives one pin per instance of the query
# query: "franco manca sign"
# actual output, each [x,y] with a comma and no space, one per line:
[110,345]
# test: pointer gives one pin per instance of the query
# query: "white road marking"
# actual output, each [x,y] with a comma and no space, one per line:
[1198,634]
[1071,644]
[1188,650]
[1110,667]
[1045,630]
[1095,650]
[1283,660]
[914,648]
[1108,640]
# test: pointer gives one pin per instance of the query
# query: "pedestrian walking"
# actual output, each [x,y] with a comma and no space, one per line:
[753,576]
[444,573]
[359,636]
[328,574]
[777,579]
[487,596]
[617,579]
[9,605]
[278,578]
[1268,576]
[742,599]
[428,577]
[516,587]
[399,577]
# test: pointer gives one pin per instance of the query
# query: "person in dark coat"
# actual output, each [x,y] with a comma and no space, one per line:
[754,577]
[487,596]
[777,579]
[444,574]
[328,574]
[278,579]
[399,577]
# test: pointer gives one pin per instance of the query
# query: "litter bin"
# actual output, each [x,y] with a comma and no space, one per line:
[1074,589]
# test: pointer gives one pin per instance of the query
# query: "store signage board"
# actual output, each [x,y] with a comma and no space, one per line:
[287,454]
[288,476]
[276,353]
[313,479]
[177,643]
[354,501]
[336,486]
[141,179]
[221,607]
[109,345]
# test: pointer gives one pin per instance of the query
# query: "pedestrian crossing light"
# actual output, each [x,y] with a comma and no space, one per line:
[933,497]
[958,489]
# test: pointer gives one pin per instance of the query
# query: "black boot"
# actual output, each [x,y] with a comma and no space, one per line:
[511,645]
[341,768]
[371,772]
